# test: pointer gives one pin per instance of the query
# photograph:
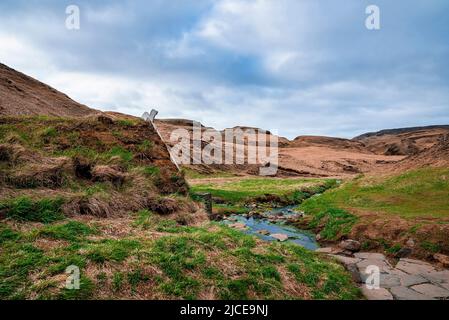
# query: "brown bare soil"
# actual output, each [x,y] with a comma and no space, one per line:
[407,141]
[305,156]
[23,95]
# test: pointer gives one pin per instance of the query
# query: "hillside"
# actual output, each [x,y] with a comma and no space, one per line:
[23,95]
[98,191]
[306,156]
[436,156]
[102,195]
[405,141]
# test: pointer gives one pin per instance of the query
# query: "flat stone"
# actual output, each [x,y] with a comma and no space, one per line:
[389,281]
[431,290]
[445,285]
[377,294]
[437,276]
[369,255]
[411,280]
[345,260]
[415,261]
[395,272]
[404,293]
[279,236]
[382,264]
[414,268]
[325,250]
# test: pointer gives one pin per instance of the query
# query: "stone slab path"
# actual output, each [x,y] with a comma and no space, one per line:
[409,279]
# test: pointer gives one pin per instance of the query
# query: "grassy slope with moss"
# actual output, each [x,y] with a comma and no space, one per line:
[155,258]
[137,254]
[419,193]
[55,158]
[247,189]
[418,197]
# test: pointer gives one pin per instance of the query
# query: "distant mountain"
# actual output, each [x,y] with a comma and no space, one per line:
[23,95]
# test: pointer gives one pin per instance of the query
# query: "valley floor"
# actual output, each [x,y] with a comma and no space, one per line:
[398,215]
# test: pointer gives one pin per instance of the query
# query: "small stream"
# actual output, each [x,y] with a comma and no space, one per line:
[266,225]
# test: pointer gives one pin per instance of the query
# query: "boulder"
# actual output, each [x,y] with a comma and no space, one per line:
[350,245]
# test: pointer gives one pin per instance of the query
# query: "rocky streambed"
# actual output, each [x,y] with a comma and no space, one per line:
[403,279]
[272,225]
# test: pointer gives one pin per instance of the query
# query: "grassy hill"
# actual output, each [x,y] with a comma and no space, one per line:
[101,194]
[388,210]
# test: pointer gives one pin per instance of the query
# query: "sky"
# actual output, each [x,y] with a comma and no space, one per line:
[295,67]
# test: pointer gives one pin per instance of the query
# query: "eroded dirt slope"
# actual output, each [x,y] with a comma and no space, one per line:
[23,95]
[406,141]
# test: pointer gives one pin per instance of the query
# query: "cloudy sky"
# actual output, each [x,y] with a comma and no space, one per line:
[295,66]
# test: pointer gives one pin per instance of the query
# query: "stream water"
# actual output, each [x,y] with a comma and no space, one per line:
[256,225]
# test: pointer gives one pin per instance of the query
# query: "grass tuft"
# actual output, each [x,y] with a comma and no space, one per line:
[26,209]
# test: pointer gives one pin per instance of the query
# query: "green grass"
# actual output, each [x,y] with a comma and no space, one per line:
[26,209]
[190,261]
[192,174]
[238,191]
[145,146]
[126,123]
[335,222]
[71,231]
[111,250]
[419,193]
[49,132]
[152,171]
[121,152]
[230,209]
